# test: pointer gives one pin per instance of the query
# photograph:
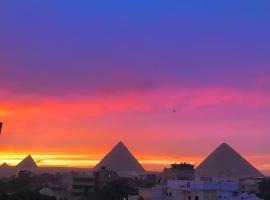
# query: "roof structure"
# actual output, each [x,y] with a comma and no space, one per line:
[225,162]
[27,163]
[120,159]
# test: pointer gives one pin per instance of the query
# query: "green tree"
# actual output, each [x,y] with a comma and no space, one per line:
[117,190]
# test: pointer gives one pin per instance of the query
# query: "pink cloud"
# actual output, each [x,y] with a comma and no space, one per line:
[153,101]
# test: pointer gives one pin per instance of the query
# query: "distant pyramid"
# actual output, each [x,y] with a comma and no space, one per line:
[27,163]
[121,160]
[4,165]
[226,163]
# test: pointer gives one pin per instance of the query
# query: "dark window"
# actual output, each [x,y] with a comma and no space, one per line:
[235,193]
[188,184]
[196,198]
[77,187]
[189,197]
[82,187]
[76,194]
[83,180]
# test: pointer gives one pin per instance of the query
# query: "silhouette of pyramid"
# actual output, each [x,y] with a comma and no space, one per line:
[4,165]
[120,159]
[27,163]
[225,162]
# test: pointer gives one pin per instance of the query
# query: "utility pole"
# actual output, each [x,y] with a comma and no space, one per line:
[1,125]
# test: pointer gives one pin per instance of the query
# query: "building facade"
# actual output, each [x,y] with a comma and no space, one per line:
[182,171]
[83,186]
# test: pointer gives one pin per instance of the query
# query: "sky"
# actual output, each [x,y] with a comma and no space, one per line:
[77,77]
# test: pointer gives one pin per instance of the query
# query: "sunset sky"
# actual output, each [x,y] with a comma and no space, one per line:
[78,76]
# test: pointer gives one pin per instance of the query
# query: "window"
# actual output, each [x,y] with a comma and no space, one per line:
[196,198]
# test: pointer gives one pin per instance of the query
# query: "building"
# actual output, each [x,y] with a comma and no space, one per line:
[154,193]
[182,171]
[83,186]
[23,174]
[250,185]
[148,179]
[200,190]
[103,177]
[46,192]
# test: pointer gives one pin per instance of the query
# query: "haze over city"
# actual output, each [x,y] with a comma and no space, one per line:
[172,80]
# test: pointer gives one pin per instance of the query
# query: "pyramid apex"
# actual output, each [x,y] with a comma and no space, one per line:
[224,144]
[27,162]
[225,147]
[29,157]
[120,144]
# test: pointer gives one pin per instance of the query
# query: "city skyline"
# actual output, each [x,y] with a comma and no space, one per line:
[172,80]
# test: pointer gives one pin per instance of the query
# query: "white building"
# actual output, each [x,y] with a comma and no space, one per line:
[199,190]
[250,185]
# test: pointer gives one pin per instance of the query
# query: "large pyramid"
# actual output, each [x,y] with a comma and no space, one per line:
[121,160]
[27,163]
[226,163]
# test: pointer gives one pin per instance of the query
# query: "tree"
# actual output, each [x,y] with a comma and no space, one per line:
[117,190]
[264,188]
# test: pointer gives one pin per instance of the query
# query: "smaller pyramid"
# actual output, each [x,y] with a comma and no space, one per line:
[4,165]
[121,160]
[226,163]
[27,163]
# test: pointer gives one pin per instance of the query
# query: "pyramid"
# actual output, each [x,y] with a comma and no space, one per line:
[4,165]
[121,160]
[27,163]
[225,163]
